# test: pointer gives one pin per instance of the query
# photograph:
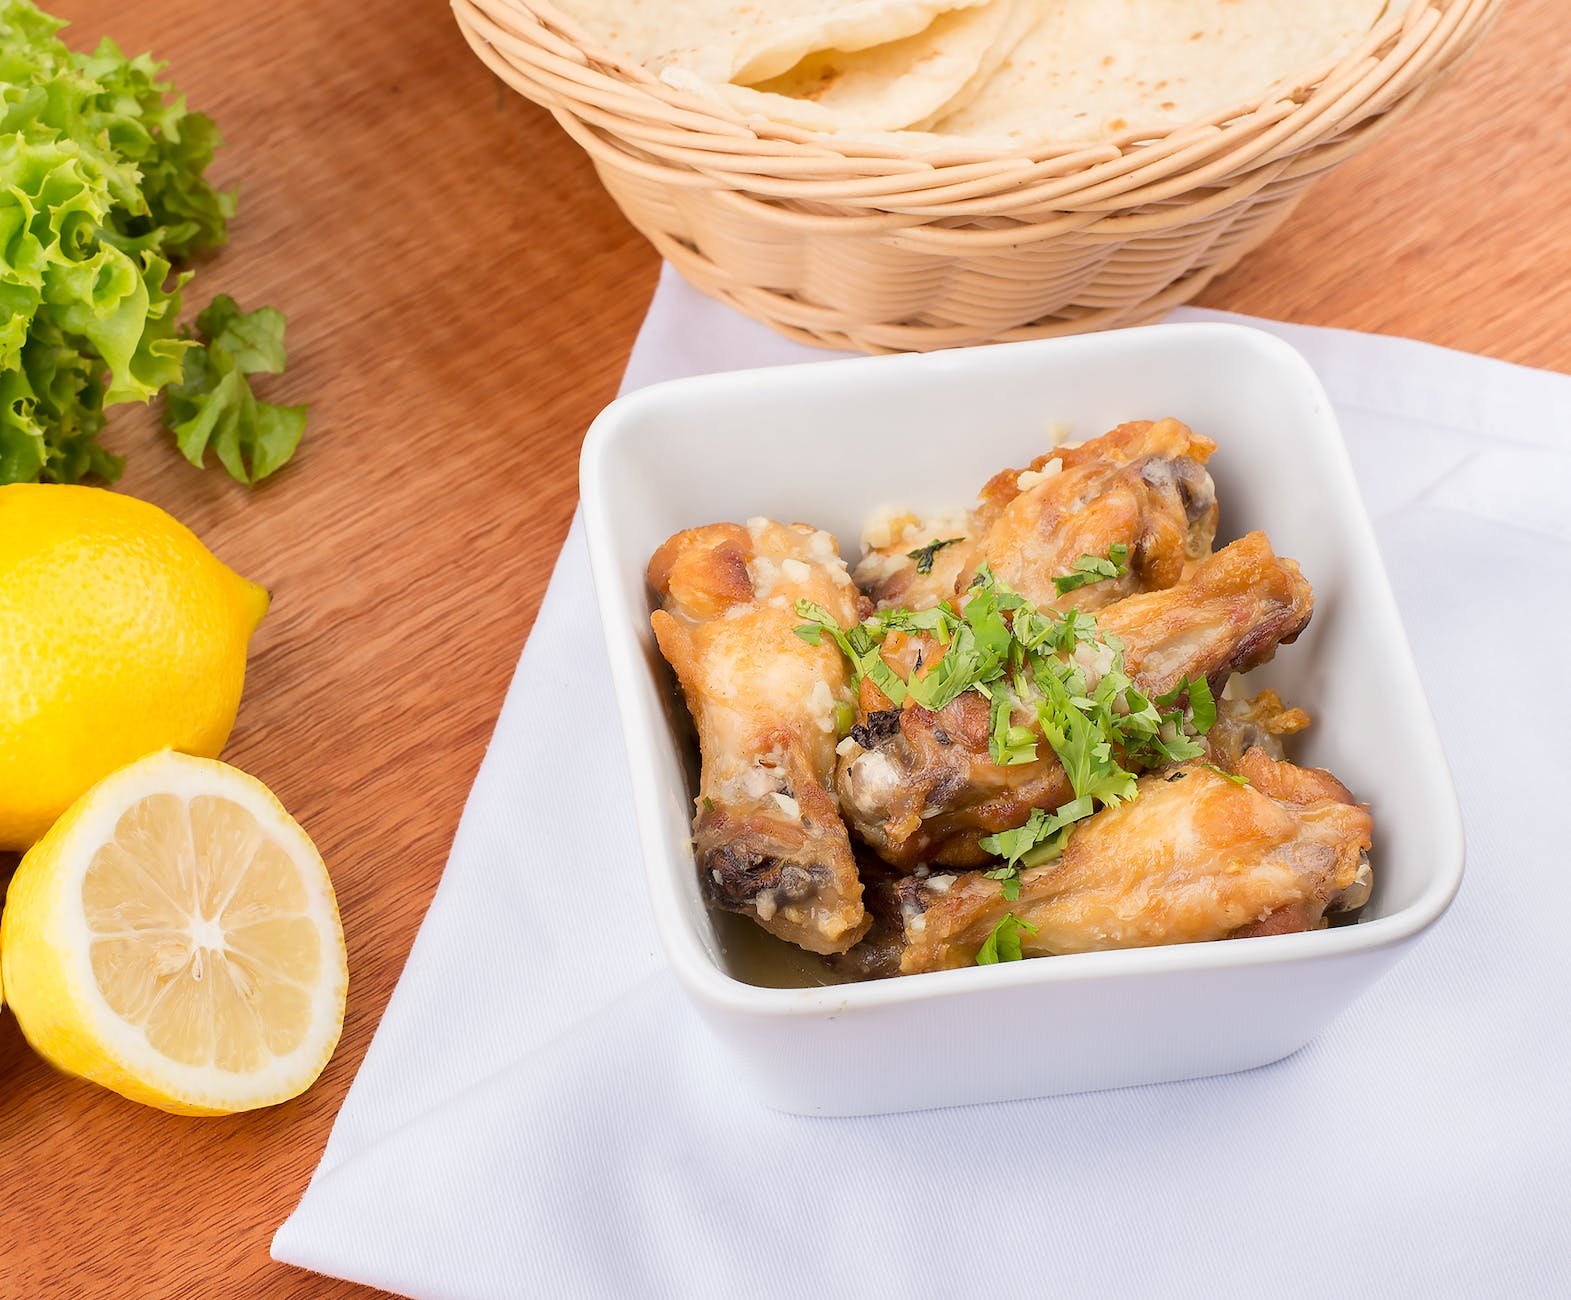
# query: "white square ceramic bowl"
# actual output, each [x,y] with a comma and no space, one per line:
[828,443]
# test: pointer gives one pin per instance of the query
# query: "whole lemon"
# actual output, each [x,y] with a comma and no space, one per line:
[120,634]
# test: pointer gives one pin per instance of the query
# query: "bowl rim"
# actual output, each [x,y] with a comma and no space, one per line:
[711,985]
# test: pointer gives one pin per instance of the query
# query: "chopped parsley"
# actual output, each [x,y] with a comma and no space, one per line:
[1094,568]
[1003,944]
[1202,704]
[1029,662]
[1010,744]
[923,555]
[857,644]
[1009,882]
[1039,841]
[1235,777]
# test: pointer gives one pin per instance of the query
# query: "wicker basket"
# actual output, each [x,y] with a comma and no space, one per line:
[863,246]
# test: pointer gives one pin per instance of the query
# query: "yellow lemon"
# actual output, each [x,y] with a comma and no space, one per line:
[120,633]
[175,938]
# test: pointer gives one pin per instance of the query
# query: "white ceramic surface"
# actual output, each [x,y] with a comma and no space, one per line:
[830,442]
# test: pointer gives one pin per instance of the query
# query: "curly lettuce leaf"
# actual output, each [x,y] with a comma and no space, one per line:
[126,309]
[255,339]
[102,187]
[213,405]
[170,147]
[51,412]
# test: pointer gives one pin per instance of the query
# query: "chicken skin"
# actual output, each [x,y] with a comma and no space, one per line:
[768,837]
[1143,487]
[1258,723]
[1194,857]
[893,576]
[920,786]
[1228,617]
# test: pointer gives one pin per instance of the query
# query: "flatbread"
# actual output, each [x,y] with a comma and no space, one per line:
[887,87]
[1018,21]
[1093,69]
[747,41]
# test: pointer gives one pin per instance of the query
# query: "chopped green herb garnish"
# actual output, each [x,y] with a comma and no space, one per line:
[1040,840]
[1202,706]
[952,676]
[884,677]
[1003,944]
[857,644]
[923,555]
[1094,568]
[845,717]
[1009,744]
[1196,691]
[1235,777]
[1183,713]
[1081,733]
[939,620]
[1101,727]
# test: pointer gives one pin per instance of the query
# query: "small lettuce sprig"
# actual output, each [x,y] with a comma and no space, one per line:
[213,406]
[102,189]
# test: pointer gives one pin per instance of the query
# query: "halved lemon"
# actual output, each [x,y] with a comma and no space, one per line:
[175,937]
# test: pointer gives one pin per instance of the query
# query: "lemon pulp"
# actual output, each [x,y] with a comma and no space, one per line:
[214,964]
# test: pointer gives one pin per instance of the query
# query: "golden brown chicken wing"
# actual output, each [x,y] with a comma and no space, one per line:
[1229,616]
[768,836]
[916,560]
[922,786]
[1193,857]
[1142,487]
[1261,722]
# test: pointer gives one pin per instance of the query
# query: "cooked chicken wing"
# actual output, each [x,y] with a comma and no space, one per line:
[921,786]
[1229,616]
[916,560]
[1245,724]
[1193,857]
[877,954]
[768,836]
[1143,486]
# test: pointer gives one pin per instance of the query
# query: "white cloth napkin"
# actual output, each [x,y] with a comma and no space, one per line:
[541,1113]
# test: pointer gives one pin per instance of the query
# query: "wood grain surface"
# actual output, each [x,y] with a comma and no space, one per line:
[461,299]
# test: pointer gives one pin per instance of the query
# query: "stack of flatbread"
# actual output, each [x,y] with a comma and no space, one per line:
[1012,73]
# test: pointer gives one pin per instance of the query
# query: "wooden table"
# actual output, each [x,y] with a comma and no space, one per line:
[462,298]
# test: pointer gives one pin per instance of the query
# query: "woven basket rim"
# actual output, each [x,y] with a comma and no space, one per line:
[886,154]
[848,241]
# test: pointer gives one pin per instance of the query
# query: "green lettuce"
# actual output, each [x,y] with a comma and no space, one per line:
[213,406]
[102,189]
